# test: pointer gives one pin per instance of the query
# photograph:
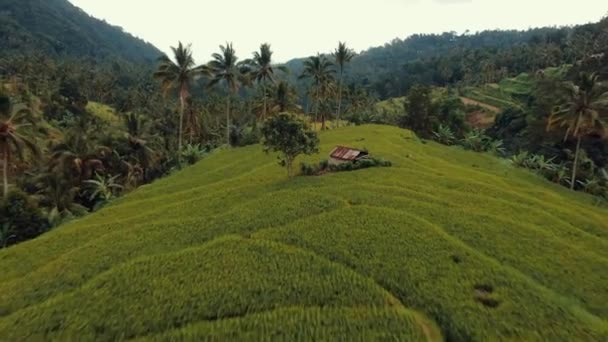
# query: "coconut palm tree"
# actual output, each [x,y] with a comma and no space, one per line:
[328,89]
[320,70]
[138,141]
[342,55]
[284,97]
[262,71]
[13,139]
[583,111]
[178,74]
[225,69]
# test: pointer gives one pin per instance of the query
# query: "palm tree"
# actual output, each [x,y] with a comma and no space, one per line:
[224,68]
[76,157]
[319,69]
[327,90]
[582,112]
[284,97]
[12,139]
[178,74]
[342,55]
[262,71]
[137,140]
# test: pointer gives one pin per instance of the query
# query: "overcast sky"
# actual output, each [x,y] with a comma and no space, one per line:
[298,28]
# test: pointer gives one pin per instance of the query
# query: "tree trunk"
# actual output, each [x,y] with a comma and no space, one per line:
[5,172]
[575,166]
[289,162]
[182,107]
[317,109]
[228,120]
[339,99]
[322,121]
[250,113]
[182,100]
[264,109]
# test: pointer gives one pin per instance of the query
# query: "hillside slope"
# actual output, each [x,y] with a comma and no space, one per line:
[58,27]
[445,242]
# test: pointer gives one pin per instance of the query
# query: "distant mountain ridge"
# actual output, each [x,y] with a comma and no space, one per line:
[482,57]
[59,28]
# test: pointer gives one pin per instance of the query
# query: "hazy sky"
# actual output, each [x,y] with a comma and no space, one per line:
[298,28]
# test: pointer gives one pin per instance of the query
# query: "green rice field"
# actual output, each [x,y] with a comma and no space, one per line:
[444,245]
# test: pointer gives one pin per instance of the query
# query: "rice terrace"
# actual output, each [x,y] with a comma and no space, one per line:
[441,239]
[439,187]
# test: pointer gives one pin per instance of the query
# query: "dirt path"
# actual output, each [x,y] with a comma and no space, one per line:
[468,101]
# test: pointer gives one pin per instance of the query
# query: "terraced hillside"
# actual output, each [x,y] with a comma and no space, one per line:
[445,244]
[509,92]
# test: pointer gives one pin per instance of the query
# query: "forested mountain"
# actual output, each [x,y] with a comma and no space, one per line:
[57,27]
[482,57]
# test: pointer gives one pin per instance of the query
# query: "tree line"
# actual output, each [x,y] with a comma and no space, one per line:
[77,132]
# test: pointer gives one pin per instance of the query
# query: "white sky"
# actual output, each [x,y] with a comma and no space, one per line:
[303,28]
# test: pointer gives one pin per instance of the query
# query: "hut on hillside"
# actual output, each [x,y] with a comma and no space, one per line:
[342,154]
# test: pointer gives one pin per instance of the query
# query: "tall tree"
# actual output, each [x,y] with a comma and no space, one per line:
[137,140]
[418,111]
[224,68]
[342,55]
[583,111]
[262,71]
[290,136]
[13,140]
[284,97]
[178,74]
[320,70]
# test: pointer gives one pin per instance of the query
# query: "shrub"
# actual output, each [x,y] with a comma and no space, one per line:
[593,186]
[496,147]
[478,141]
[474,140]
[193,153]
[560,173]
[444,135]
[324,166]
[20,218]
[520,159]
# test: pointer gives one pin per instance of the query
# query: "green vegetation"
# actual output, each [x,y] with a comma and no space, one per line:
[324,166]
[262,71]
[342,55]
[178,75]
[392,105]
[58,28]
[449,243]
[311,324]
[291,137]
[491,96]
[582,113]
[224,68]
[320,70]
[229,243]
[12,140]
[103,112]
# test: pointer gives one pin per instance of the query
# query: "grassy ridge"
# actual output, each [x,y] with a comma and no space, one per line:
[483,249]
[296,324]
[164,292]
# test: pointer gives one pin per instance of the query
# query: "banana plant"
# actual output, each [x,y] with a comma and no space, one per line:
[103,188]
